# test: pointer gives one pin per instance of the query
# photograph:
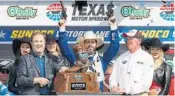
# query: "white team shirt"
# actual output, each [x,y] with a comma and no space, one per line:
[133,72]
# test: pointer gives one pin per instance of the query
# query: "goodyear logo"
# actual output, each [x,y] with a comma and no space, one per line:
[28,33]
[54,12]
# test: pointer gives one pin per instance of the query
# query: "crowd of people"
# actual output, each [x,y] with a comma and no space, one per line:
[142,70]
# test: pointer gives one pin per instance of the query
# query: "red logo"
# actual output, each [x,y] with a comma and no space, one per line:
[54,12]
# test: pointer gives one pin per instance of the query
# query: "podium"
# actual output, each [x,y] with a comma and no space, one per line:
[76,82]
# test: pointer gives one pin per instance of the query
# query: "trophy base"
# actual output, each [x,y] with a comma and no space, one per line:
[76,82]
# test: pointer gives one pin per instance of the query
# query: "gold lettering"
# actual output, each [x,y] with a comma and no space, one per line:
[157,35]
[14,34]
[165,33]
[21,33]
[152,34]
[29,33]
[50,32]
[145,34]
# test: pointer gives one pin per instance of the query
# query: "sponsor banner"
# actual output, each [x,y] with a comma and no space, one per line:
[134,13]
[7,34]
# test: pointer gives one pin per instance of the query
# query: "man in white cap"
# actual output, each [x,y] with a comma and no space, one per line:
[93,41]
[133,70]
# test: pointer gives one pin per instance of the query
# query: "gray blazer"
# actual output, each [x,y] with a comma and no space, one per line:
[27,70]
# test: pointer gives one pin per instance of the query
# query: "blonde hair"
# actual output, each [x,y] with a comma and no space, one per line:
[159,61]
[58,49]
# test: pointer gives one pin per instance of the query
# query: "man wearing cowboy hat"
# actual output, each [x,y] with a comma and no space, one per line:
[93,41]
[133,70]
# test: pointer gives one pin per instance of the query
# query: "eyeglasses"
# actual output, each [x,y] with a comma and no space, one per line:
[4,71]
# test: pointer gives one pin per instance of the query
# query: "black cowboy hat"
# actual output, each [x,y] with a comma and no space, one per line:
[50,38]
[17,43]
[155,42]
[145,43]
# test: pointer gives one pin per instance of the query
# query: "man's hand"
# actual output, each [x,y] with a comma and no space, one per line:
[111,19]
[114,89]
[62,23]
[121,90]
[42,81]
[117,90]
[62,69]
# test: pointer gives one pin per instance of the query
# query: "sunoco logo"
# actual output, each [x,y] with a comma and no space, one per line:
[135,14]
[54,12]
[167,12]
[21,13]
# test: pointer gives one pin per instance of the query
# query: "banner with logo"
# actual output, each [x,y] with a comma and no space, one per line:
[8,33]
[130,13]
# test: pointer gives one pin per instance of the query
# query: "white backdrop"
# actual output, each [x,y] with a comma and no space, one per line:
[40,19]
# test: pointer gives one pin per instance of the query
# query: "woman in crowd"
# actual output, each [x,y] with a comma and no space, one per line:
[53,48]
[162,71]
[20,47]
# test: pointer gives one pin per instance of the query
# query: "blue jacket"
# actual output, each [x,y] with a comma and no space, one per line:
[105,59]
[4,90]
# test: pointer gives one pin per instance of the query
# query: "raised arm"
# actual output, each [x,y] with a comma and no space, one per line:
[114,43]
[66,50]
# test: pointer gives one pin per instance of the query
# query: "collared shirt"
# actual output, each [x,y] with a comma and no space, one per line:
[96,66]
[133,72]
[4,90]
[40,60]
[41,65]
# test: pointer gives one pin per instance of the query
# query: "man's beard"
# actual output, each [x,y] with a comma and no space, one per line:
[91,50]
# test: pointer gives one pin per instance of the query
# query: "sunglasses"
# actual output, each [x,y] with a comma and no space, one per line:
[4,71]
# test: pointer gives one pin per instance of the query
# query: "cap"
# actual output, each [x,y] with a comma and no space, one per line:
[134,34]
[5,63]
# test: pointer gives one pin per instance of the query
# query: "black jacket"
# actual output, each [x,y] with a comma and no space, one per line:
[27,70]
[12,79]
[162,76]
